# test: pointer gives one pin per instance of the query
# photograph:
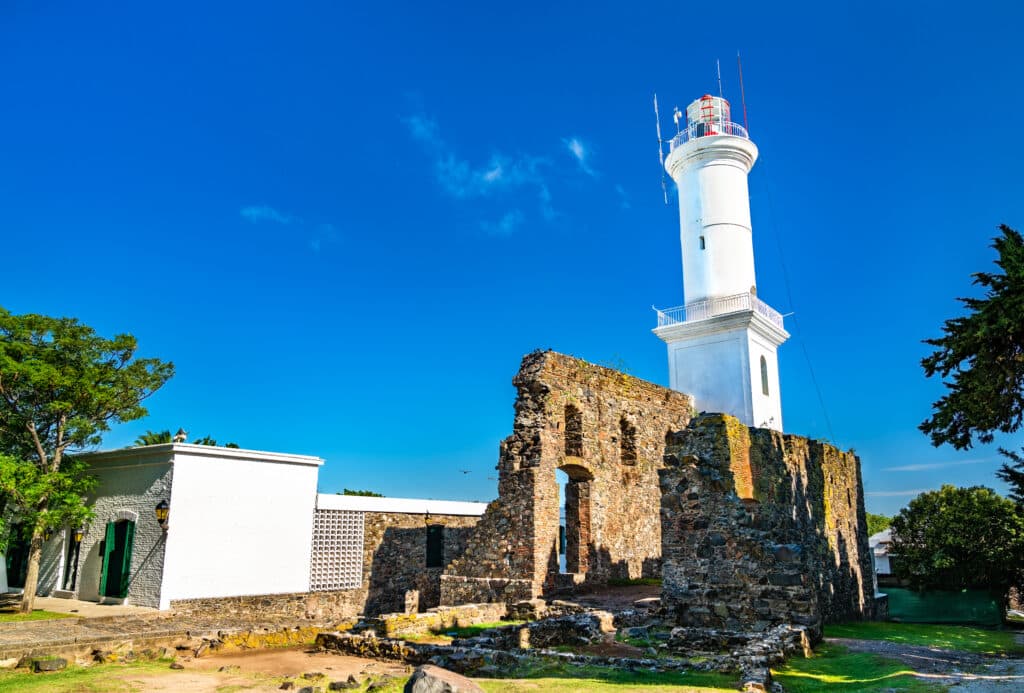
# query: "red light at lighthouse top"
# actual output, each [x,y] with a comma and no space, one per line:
[708,110]
[707,116]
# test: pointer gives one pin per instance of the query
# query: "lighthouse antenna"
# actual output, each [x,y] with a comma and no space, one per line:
[661,149]
[743,97]
[718,69]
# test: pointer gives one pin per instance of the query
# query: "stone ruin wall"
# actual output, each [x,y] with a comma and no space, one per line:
[607,431]
[761,528]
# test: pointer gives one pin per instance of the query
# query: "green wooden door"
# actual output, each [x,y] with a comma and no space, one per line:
[117,559]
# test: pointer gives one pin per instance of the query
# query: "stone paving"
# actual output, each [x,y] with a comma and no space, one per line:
[90,609]
[78,637]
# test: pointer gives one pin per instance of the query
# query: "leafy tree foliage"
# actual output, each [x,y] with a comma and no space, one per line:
[161,437]
[61,388]
[354,492]
[25,486]
[959,538]
[878,523]
[207,440]
[154,438]
[1013,474]
[980,356]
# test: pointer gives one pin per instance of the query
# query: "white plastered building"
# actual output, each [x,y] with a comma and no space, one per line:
[723,342]
[240,523]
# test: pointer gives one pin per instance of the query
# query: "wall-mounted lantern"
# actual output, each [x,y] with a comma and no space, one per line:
[47,534]
[79,534]
[163,511]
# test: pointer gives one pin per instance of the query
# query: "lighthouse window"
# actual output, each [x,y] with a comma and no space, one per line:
[702,242]
[764,375]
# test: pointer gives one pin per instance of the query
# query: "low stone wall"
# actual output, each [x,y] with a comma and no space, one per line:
[313,606]
[458,589]
[439,618]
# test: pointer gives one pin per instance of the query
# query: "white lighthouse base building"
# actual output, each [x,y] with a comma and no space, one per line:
[724,352]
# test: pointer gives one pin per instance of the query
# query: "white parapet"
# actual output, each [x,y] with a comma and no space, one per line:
[412,506]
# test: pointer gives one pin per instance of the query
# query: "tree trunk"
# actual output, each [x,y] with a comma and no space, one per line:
[35,553]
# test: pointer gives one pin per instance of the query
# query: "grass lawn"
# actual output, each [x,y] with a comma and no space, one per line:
[37,615]
[833,668]
[99,678]
[980,640]
[123,678]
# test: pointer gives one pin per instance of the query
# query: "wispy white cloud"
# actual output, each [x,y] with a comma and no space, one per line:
[506,225]
[316,236]
[936,465]
[501,173]
[896,494]
[262,213]
[623,197]
[324,234]
[580,152]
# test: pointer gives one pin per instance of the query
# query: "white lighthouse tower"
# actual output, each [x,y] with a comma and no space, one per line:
[722,344]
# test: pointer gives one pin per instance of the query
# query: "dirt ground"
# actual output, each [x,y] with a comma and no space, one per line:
[260,670]
[616,598]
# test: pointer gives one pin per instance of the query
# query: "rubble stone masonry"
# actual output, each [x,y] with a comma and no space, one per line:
[761,528]
[606,430]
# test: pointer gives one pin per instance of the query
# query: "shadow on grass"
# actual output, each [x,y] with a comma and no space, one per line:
[621,677]
[834,668]
[947,637]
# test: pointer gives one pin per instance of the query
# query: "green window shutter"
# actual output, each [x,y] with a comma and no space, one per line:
[108,548]
[126,565]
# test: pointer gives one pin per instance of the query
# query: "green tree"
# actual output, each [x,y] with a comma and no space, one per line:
[959,538]
[355,492]
[207,440]
[980,356]
[1013,474]
[61,388]
[154,438]
[878,523]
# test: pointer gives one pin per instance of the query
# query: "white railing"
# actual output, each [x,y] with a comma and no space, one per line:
[710,307]
[702,129]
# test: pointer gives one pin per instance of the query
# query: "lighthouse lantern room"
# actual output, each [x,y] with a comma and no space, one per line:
[723,342]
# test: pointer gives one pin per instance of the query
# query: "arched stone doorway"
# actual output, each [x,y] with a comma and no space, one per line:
[577,510]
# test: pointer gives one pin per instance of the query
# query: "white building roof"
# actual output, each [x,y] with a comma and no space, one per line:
[147,453]
[883,537]
[417,506]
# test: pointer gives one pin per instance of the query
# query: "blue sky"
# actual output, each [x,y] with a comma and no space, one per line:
[346,223]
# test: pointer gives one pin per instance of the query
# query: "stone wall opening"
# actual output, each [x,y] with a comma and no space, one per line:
[577,520]
[573,431]
[627,442]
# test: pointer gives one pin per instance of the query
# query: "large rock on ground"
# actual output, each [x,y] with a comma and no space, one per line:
[431,679]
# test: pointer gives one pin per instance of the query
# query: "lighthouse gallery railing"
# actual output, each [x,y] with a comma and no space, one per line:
[710,307]
[703,129]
